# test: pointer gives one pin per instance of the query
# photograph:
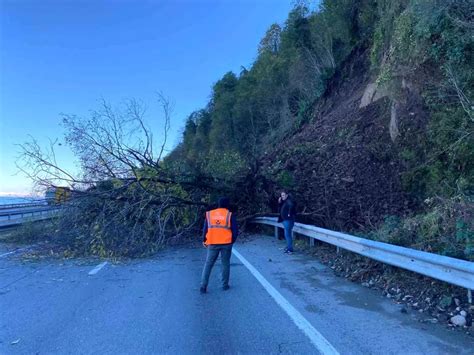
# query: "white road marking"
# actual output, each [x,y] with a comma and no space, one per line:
[16,251]
[97,268]
[11,252]
[323,346]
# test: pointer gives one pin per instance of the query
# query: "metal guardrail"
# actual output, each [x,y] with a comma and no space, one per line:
[454,271]
[15,218]
[22,205]
[24,211]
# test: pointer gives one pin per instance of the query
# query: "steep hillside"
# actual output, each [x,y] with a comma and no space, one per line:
[344,166]
[363,110]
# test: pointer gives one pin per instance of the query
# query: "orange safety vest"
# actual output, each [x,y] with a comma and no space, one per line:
[218,226]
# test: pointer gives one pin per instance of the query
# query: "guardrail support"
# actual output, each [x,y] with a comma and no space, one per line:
[469,296]
[276,232]
[311,242]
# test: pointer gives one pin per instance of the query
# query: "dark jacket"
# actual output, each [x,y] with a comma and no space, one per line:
[287,210]
[233,226]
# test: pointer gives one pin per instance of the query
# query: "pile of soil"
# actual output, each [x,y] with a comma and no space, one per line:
[343,167]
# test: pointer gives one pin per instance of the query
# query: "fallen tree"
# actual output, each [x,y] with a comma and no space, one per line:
[126,199]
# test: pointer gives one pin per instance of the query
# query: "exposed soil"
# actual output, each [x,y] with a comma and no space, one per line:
[343,166]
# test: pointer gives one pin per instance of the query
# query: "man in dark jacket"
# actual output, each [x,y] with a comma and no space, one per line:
[287,209]
[219,234]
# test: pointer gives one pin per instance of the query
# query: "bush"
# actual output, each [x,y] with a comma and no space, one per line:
[285,179]
[31,232]
[447,228]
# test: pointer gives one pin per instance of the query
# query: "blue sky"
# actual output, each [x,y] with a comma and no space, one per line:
[63,56]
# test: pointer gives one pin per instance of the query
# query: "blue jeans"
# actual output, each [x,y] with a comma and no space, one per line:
[288,226]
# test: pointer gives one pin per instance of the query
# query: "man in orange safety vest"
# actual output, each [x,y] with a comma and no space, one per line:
[219,234]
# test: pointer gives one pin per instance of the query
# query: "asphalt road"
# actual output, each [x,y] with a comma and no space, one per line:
[154,306]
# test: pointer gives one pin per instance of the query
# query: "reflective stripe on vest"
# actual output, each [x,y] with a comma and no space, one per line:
[219,230]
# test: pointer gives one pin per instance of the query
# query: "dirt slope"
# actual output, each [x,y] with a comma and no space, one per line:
[343,166]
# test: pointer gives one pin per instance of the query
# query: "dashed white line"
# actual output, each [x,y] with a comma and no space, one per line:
[97,268]
[5,254]
[321,344]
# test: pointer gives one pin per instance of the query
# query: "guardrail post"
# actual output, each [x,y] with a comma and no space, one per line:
[276,232]
[469,296]
[311,242]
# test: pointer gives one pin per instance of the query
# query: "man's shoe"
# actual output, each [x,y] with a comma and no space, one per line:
[289,252]
[226,287]
[203,289]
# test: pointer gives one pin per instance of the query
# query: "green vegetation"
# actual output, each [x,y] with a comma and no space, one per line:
[29,233]
[246,113]
[292,120]
[446,228]
[415,47]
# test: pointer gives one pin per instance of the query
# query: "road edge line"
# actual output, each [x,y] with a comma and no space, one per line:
[318,340]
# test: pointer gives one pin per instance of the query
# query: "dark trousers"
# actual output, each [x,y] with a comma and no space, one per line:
[212,253]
